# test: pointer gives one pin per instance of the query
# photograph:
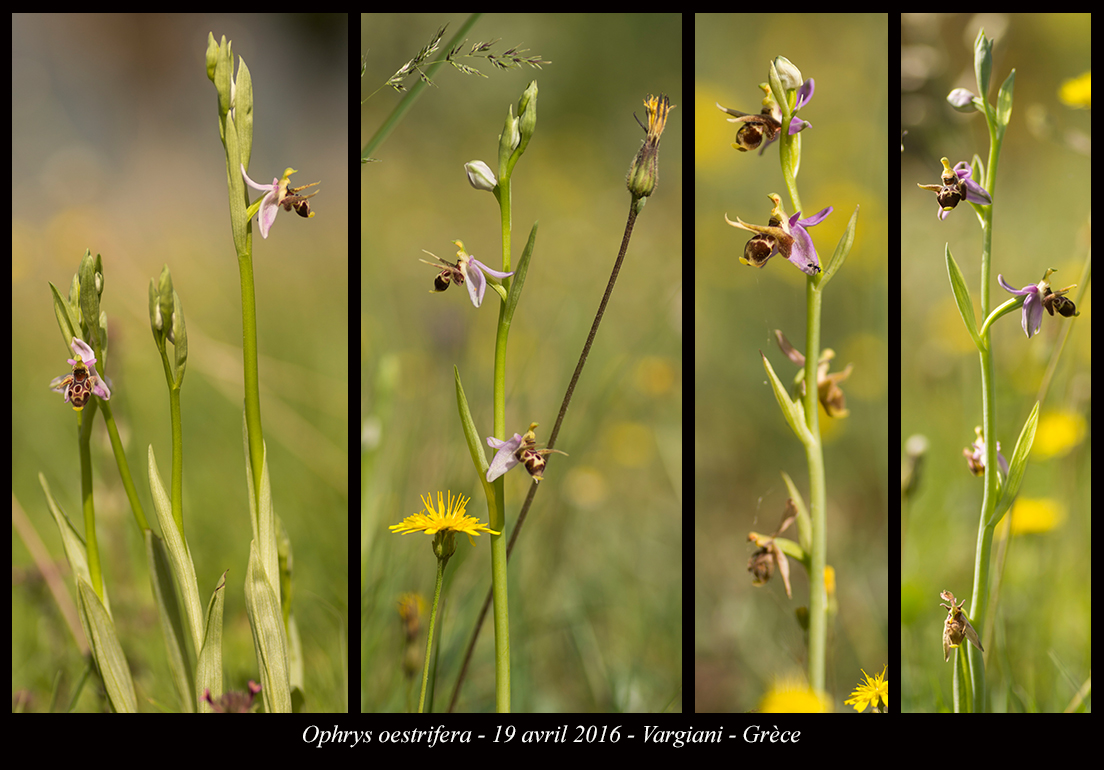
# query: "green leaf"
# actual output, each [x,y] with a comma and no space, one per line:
[262,590]
[1004,103]
[238,196]
[792,410]
[983,63]
[804,523]
[962,298]
[209,659]
[171,618]
[779,93]
[76,552]
[262,513]
[108,653]
[95,616]
[977,170]
[471,435]
[518,280]
[269,638]
[296,666]
[66,318]
[843,248]
[179,557]
[243,112]
[296,662]
[1017,467]
[283,550]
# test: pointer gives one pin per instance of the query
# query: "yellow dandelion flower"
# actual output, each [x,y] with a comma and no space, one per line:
[790,695]
[444,518]
[870,692]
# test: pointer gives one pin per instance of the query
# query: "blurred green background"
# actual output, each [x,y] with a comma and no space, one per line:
[115,147]
[596,578]
[746,636]
[1041,651]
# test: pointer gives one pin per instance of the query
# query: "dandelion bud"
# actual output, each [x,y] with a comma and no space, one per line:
[644,171]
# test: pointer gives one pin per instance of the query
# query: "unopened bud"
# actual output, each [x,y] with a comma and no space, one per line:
[481,176]
[788,73]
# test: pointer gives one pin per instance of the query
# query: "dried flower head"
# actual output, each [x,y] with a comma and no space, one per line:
[957,626]
[762,563]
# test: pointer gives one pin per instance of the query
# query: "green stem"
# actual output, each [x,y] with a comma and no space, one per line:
[980,598]
[789,155]
[249,361]
[788,175]
[177,491]
[432,626]
[84,429]
[501,605]
[124,467]
[497,507]
[818,600]
[505,204]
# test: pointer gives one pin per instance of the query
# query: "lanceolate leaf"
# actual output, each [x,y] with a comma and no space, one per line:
[1004,104]
[108,653]
[1017,467]
[843,248]
[792,410]
[962,298]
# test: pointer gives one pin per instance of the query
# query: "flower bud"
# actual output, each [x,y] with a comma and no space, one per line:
[788,73]
[961,99]
[480,176]
[527,113]
[644,170]
[511,136]
[212,55]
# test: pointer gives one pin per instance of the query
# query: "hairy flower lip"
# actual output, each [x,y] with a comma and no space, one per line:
[78,386]
[1040,296]
[956,185]
[767,124]
[279,194]
[466,270]
[785,236]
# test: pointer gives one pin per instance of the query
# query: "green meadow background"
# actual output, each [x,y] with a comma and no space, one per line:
[1039,651]
[115,148]
[596,607]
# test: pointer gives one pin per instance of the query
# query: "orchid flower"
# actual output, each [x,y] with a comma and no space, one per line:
[787,237]
[278,194]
